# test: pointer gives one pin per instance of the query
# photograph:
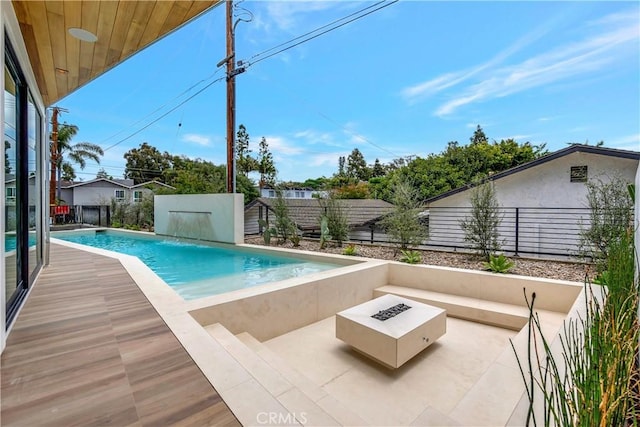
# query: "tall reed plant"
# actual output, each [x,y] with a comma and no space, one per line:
[592,378]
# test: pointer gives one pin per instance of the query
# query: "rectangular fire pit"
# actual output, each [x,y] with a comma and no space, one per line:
[391,329]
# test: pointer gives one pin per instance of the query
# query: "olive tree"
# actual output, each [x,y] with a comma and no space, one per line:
[610,216]
[404,223]
[481,227]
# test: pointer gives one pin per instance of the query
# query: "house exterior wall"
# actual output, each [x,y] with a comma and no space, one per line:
[66,195]
[294,193]
[543,186]
[251,217]
[96,194]
[11,28]
[101,193]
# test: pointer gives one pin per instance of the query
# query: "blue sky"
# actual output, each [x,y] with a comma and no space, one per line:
[402,81]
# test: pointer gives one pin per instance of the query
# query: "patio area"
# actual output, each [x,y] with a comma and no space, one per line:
[89,349]
[103,341]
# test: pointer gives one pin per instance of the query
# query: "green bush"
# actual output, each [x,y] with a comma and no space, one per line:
[481,228]
[595,381]
[283,222]
[267,231]
[411,257]
[350,250]
[403,223]
[498,264]
[337,221]
[325,236]
[611,214]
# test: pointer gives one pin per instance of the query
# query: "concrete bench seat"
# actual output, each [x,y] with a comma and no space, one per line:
[493,313]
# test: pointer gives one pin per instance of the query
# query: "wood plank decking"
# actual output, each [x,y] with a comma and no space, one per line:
[89,349]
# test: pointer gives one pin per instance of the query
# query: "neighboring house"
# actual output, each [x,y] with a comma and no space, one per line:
[88,197]
[544,201]
[362,214]
[292,193]
[101,191]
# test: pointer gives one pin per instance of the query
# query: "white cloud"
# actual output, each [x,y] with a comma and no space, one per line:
[194,138]
[422,90]
[330,159]
[286,14]
[280,146]
[492,80]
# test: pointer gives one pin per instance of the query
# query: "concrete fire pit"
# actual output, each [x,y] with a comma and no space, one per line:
[391,329]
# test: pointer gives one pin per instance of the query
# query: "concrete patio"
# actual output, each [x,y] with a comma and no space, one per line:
[261,356]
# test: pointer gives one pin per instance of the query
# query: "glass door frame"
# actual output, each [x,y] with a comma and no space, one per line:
[23,277]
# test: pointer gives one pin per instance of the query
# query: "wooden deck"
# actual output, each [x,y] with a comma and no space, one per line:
[89,349]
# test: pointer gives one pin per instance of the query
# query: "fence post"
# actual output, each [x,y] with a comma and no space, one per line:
[517,229]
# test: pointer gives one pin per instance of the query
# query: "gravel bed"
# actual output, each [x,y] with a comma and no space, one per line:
[550,269]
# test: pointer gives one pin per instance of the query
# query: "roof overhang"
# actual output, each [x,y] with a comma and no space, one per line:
[62,63]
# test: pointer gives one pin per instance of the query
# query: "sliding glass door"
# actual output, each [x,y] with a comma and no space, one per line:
[23,186]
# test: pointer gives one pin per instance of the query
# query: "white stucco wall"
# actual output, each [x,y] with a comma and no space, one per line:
[547,185]
[96,194]
[211,217]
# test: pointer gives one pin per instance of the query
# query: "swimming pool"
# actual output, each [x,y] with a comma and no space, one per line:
[197,270]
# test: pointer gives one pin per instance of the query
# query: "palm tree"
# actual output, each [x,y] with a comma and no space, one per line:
[70,154]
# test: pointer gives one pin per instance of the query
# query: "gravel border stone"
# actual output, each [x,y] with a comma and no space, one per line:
[550,269]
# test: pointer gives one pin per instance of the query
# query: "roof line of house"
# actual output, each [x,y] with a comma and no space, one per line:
[79,184]
[573,148]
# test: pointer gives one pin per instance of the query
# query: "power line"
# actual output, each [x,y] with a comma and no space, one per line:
[334,122]
[315,30]
[161,107]
[165,114]
[327,28]
[386,4]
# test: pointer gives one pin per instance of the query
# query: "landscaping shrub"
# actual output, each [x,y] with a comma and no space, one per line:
[403,223]
[350,250]
[481,228]
[610,215]
[411,257]
[595,381]
[337,221]
[498,264]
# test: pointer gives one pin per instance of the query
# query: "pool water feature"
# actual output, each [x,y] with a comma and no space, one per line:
[196,270]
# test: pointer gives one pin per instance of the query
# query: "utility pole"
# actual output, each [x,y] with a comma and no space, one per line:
[231,101]
[54,156]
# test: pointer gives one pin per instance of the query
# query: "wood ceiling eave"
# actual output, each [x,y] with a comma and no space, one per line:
[123,28]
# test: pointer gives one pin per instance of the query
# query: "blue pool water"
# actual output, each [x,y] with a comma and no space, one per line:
[10,242]
[195,271]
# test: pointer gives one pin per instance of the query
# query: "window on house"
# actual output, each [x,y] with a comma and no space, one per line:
[137,196]
[120,195]
[578,173]
[272,193]
[299,194]
[11,194]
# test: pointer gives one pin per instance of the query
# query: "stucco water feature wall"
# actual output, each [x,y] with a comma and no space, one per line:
[209,217]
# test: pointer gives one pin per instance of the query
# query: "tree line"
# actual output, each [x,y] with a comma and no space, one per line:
[456,166]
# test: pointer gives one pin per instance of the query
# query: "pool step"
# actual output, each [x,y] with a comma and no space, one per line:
[298,404]
[313,391]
